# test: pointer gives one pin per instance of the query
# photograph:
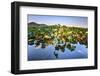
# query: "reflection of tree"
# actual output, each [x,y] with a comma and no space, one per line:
[60,36]
[56,54]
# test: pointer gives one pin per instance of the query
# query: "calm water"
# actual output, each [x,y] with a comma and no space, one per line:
[49,53]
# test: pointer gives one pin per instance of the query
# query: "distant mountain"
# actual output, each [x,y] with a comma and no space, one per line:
[32,24]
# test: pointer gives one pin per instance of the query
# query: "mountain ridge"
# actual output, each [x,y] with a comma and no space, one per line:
[31,24]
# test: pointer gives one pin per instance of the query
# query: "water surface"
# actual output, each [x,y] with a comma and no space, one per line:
[49,53]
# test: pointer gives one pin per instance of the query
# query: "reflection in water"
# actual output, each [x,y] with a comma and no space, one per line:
[56,54]
[72,51]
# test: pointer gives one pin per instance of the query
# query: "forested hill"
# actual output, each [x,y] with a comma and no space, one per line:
[32,24]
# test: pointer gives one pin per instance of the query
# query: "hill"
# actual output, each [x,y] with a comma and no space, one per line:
[32,24]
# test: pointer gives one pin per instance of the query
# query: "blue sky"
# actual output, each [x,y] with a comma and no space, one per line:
[65,20]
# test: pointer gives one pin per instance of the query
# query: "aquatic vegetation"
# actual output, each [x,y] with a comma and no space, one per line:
[61,36]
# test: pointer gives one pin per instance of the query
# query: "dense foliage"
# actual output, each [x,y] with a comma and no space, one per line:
[60,36]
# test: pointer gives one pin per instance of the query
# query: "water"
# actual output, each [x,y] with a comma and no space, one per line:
[49,53]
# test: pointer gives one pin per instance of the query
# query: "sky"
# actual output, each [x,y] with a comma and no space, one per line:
[64,20]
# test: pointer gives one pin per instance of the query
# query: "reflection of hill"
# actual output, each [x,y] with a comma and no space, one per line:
[32,24]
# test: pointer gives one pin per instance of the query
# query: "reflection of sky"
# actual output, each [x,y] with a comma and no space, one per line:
[48,19]
[37,53]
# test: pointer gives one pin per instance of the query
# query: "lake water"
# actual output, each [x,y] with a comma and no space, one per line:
[49,53]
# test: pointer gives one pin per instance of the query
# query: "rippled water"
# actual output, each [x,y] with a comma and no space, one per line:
[49,53]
